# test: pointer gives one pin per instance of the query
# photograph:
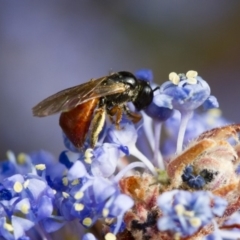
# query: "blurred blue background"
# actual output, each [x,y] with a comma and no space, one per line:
[47,46]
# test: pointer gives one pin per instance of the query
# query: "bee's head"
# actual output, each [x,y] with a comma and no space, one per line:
[144,95]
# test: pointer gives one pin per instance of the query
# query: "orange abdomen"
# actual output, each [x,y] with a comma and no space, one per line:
[75,123]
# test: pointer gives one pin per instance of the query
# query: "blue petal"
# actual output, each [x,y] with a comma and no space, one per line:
[210,103]
[196,182]
[233,220]
[161,107]
[5,194]
[56,170]
[144,74]
[13,179]
[105,160]
[65,206]
[7,169]
[214,236]
[24,201]
[103,189]
[63,158]
[126,136]
[219,206]
[68,144]
[121,204]
[20,225]
[3,232]
[36,187]
[78,170]
[52,224]
[187,97]
[89,236]
[165,199]
[42,157]
[24,238]
[165,223]
[163,100]
[124,149]
[45,208]
[178,95]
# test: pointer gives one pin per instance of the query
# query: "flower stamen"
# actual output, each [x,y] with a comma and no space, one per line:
[110,236]
[87,222]
[17,187]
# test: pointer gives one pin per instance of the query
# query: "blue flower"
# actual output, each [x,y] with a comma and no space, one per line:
[7,169]
[105,159]
[210,103]
[161,107]
[91,197]
[69,158]
[39,194]
[200,122]
[116,207]
[11,225]
[103,199]
[15,229]
[42,157]
[196,125]
[52,167]
[145,75]
[126,141]
[123,138]
[31,198]
[193,181]
[185,212]
[68,186]
[78,170]
[219,206]
[13,165]
[188,92]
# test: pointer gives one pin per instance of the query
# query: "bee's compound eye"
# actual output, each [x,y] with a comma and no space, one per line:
[144,97]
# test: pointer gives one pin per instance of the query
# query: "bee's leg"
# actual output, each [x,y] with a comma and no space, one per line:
[116,111]
[134,117]
[119,117]
[111,112]
[111,119]
[97,123]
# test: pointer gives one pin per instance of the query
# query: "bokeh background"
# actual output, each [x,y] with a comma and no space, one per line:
[47,46]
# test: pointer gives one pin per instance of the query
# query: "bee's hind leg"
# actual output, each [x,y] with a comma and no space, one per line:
[97,124]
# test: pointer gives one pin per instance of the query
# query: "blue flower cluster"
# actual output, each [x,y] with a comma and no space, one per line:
[41,195]
[26,198]
[50,195]
[184,213]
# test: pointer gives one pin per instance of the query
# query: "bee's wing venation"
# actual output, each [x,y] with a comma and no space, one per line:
[65,98]
[71,97]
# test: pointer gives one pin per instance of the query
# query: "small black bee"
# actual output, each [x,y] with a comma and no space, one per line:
[85,106]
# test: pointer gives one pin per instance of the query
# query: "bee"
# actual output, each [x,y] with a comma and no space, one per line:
[84,107]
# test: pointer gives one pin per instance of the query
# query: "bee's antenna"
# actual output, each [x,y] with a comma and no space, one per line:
[156,88]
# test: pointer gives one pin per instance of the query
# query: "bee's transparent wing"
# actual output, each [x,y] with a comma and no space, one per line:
[71,97]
